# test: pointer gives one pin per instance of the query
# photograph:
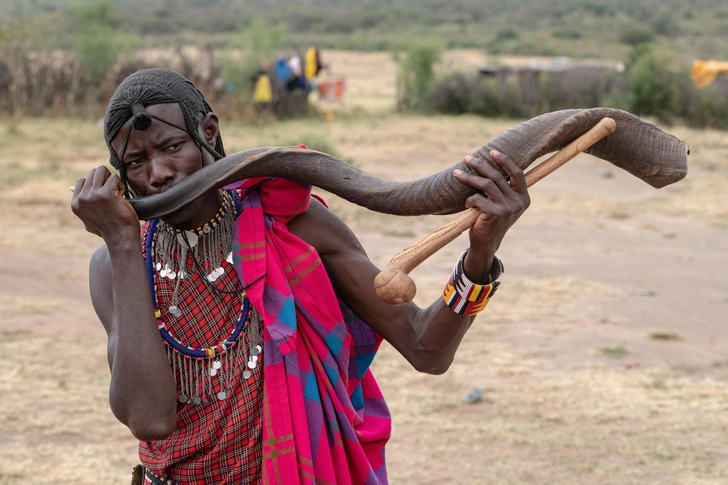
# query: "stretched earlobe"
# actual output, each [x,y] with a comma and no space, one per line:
[210,128]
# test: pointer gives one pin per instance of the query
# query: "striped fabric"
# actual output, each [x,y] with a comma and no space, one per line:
[324,418]
[465,297]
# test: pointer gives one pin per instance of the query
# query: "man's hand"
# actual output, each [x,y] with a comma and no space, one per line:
[500,201]
[98,200]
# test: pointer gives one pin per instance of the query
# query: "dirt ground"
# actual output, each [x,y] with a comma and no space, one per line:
[603,359]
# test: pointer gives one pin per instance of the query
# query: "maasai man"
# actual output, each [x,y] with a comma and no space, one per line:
[236,356]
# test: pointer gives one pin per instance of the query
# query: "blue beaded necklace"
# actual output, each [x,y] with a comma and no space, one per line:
[172,341]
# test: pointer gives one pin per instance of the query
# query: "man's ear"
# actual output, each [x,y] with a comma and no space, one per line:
[210,128]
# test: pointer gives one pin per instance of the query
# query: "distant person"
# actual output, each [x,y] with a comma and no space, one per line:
[262,90]
[313,63]
[241,327]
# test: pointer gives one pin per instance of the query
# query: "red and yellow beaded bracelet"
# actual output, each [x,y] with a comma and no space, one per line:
[465,297]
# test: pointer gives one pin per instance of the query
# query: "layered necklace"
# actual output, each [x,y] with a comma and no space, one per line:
[205,373]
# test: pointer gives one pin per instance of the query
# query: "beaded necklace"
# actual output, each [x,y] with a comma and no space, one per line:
[196,367]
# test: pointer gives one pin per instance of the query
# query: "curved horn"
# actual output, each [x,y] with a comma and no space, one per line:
[636,146]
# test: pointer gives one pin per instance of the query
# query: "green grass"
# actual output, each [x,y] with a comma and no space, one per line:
[616,352]
[669,336]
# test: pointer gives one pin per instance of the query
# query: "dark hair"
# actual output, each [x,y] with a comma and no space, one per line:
[149,87]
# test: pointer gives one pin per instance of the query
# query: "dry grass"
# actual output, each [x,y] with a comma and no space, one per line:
[27,306]
[555,410]
[586,426]
[54,415]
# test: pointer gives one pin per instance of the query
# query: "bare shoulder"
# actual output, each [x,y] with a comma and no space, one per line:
[324,230]
[101,287]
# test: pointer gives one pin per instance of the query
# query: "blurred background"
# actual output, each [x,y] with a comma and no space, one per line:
[603,357]
[65,57]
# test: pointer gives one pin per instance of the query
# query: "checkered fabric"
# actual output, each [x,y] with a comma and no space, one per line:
[221,441]
[324,418]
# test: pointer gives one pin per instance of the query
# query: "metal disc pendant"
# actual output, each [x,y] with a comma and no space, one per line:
[163,273]
[254,359]
[221,395]
[191,238]
[171,275]
[258,339]
[183,398]
[247,374]
[158,266]
[207,229]
[229,258]
[255,351]
[251,365]
[196,401]
[213,372]
[216,364]
[211,277]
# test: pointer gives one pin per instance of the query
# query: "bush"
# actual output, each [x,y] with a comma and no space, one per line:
[97,49]
[256,43]
[579,87]
[636,36]
[707,107]
[460,93]
[654,83]
[417,75]
[712,110]
[502,37]
[96,44]
[566,33]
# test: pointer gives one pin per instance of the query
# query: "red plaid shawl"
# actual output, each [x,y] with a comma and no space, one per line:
[324,418]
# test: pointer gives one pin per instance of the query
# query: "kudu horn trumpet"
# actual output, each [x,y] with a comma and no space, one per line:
[636,146]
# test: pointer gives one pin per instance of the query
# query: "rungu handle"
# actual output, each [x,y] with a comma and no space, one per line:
[394,286]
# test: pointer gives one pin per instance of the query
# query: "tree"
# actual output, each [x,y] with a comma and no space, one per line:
[96,43]
[417,75]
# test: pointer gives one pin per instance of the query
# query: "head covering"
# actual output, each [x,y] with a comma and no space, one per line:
[156,86]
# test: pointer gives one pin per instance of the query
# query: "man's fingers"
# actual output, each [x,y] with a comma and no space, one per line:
[485,185]
[114,183]
[487,170]
[76,189]
[518,179]
[101,174]
[478,201]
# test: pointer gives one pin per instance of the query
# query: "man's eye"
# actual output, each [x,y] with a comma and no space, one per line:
[173,147]
[136,161]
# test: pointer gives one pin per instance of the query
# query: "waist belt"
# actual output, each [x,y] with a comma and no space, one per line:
[142,476]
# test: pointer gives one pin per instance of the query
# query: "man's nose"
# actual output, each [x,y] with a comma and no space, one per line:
[160,172]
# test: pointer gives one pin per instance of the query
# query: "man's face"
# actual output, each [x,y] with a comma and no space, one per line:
[161,156]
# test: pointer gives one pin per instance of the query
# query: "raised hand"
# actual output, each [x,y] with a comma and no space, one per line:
[98,200]
[501,202]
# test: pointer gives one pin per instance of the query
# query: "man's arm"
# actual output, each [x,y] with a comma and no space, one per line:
[428,338]
[142,392]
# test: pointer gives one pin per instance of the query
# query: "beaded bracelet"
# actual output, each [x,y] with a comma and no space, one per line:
[465,297]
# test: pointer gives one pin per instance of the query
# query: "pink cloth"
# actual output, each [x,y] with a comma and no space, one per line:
[324,417]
